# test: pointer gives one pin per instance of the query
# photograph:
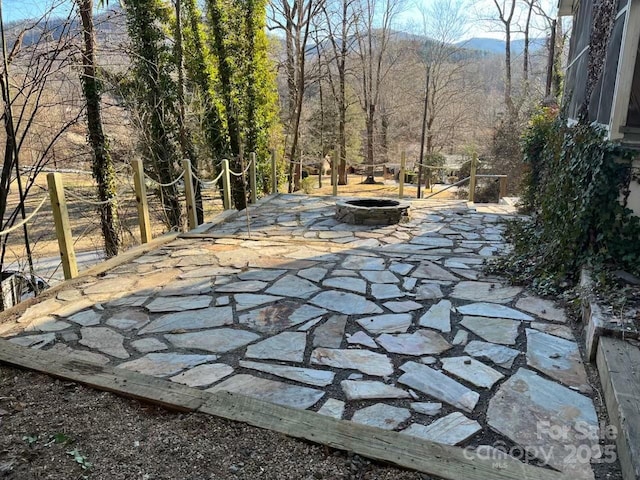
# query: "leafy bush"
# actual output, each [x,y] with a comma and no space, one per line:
[308,184]
[573,194]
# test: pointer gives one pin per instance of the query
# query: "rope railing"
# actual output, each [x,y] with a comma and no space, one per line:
[207,183]
[165,184]
[26,220]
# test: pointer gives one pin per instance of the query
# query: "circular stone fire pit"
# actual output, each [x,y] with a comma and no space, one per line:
[372,211]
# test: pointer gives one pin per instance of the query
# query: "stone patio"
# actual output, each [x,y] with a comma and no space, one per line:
[394,327]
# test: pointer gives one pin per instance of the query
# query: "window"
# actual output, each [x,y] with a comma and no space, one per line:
[633,115]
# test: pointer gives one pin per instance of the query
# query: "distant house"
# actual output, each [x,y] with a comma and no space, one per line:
[611,99]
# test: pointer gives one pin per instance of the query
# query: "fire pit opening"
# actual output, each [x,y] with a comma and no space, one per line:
[372,211]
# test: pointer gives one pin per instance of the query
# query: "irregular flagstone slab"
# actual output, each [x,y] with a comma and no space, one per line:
[270,391]
[542,308]
[429,291]
[34,341]
[293,286]
[432,271]
[331,332]
[319,378]
[194,286]
[263,275]
[178,304]
[382,416]
[485,292]
[242,287]
[71,354]
[286,346]
[558,358]
[86,318]
[427,408]
[346,303]
[383,276]
[165,364]
[498,354]
[472,371]
[403,307]
[389,323]
[550,407]
[42,309]
[453,429]
[118,284]
[494,330]
[383,291]
[421,342]
[309,325]
[401,268]
[105,340]
[553,329]
[461,338]
[361,338]
[432,241]
[367,362]
[190,320]
[491,310]
[203,375]
[332,408]
[69,295]
[217,340]
[353,284]
[46,324]
[279,316]
[130,301]
[147,345]
[208,272]
[438,385]
[438,317]
[315,274]
[128,320]
[246,301]
[369,390]
[358,262]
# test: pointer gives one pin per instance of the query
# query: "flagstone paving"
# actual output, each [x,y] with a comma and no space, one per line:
[395,326]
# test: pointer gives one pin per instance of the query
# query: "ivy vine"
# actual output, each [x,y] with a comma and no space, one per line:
[573,195]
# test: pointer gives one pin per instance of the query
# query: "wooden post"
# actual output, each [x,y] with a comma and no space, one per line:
[141,201]
[334,173]
[253,182]
[403,165]
[503,188]
[192,217]
[63,227]
[226,185]
[472,182]
[274,171]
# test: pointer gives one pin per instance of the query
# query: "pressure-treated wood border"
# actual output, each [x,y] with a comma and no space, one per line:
[448,462]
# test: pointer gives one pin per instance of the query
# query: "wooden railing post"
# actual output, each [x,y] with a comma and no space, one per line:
[226,185]
[403,165]
[503,188]
[472,181]
[253,182]
[334,172]
[141,201]
[274,171]
[63,227]
[192,217]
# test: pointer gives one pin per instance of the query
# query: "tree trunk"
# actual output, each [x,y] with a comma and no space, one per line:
[103,170]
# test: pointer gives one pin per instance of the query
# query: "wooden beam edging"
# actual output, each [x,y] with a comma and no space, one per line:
[448,462]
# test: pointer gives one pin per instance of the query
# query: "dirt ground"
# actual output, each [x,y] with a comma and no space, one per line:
[51,429]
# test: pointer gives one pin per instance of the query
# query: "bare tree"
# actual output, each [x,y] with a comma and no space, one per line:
[33,74]
[295,19]
[373,32]
[506,17]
